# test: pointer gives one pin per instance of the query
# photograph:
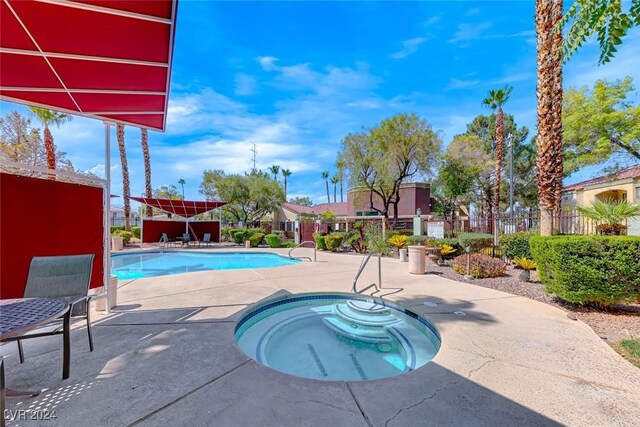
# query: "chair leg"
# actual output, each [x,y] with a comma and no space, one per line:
[89,328]
[20,351]
[66,345]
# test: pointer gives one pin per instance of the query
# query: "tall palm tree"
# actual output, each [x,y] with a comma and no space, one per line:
[335,180]
[126,192]
[144,141]
[325,176]
[182,182]
[275,169]
[549,109]
[286,173]
[496,99]
[341,165]
[50,117]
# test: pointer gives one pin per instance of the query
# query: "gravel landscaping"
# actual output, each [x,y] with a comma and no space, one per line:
[613,325]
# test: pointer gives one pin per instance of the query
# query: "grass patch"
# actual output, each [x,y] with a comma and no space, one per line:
[630,350]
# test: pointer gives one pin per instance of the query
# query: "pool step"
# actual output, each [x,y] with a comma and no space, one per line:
[356,332]
[370,308]
[364,319]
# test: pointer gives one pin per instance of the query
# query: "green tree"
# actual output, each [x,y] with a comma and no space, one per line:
[275,169]
[167,192]
[496,99]
[335,180]
[49,117]
[182,182]
[302,201]
[452,186]
[250,196]
[286,173]
[340,168]
[382,158]
[604,18]
[144,142]
[325,176]
[19,142]
[600,123]
[126,191]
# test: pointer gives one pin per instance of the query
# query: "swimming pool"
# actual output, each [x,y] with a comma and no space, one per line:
[337,336]
[150,264]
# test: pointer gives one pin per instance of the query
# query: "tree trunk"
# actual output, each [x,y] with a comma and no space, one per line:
[125,177]
[548,160]
[285,188]
[147,169]
[341,192]
[328,196]
[498,173]
[556,52]
[334,193]
[50,148]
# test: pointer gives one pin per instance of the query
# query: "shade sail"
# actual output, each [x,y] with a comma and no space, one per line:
[185,208]
[106,59]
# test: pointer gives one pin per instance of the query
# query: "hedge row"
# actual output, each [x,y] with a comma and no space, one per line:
[601,270]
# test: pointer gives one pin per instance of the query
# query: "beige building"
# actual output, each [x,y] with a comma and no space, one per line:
[624,185]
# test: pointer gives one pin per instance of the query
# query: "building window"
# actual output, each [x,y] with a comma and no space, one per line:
[637,194]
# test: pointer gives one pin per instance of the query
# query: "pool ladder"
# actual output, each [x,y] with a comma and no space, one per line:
[378,287]
[304,257]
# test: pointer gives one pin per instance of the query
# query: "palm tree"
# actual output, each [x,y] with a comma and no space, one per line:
[335,180]
[125,177]
[49,117]
[275,169]
[496,99]
[286,173]
[341,165]
[325,176]
[182,182]
[144,141]
[549,111]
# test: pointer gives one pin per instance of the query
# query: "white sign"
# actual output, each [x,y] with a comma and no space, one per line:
[435,229]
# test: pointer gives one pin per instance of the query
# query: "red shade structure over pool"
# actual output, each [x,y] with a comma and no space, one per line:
[184,208]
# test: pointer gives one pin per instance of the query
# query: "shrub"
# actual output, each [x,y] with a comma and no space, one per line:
[288,244]
[126,235]
[115,228]
[272,240]
[320,243]
[525,263]
[602,270]
[399,241]
[447,250]
[238,237]
[136,232]
[482,266]
[516,245]
[256,239]
[334,240]
[475,241]
[417,240]
[441,243]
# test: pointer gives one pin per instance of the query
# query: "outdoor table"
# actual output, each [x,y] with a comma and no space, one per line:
[21,315]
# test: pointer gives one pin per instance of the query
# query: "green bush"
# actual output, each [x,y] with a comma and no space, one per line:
[256,239]
[482,266]
[516,245]
[320,243]
[136,232]
[115,228]
[602,270]
[239,237]
[475,241]
[334,240]
[439,243]
[417,240]
[288,244]
[272,240]
[126,235]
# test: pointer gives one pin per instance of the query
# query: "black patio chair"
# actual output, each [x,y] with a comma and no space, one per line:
[64,277]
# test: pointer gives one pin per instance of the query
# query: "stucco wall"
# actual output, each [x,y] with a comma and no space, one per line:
[412,197]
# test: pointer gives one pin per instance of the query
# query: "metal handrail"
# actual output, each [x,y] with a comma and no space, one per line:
[300,245]
[363,264]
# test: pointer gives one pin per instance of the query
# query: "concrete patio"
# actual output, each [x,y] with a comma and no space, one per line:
[167,356]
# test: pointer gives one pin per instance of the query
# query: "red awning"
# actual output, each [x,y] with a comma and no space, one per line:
[106,59]
[184,208]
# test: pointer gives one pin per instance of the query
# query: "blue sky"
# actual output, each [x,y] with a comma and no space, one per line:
[295,77]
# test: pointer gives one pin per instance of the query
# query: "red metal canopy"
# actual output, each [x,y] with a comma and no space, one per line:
[184,208]
[106,59]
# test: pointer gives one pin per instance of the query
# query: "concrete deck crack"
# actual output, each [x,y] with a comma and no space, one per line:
[200,387]
[420,402]
[353,396]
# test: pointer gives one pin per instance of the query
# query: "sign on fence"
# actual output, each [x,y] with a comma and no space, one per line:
[435,229]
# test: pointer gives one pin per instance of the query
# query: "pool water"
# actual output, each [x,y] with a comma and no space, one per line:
[344,337]
[150,264]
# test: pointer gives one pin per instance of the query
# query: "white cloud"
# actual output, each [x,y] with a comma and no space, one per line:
[432,20]
[473,11]
[408,47]
[469,32]
[460,84]
[267,62]
[245,84]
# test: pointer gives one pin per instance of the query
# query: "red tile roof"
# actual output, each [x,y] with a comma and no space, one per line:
[632,172]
